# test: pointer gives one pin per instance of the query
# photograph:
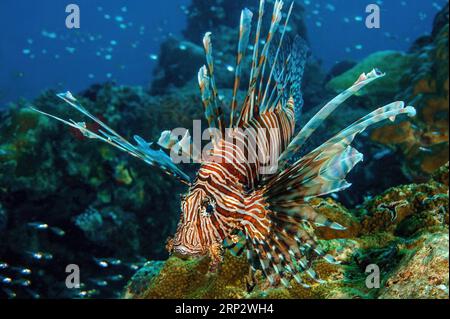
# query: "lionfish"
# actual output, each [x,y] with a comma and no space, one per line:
[231,203]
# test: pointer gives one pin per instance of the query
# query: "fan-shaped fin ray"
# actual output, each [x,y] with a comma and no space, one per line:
[317,119]
[142,150]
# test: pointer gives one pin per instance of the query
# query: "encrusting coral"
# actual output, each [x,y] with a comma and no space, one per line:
[423,271]
[191,279]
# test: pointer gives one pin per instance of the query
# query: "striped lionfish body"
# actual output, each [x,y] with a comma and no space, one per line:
[250,193]
[223,198]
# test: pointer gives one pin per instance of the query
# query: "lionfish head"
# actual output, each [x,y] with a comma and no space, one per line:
[194,233]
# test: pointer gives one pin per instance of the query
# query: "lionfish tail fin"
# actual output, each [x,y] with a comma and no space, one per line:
[141,150]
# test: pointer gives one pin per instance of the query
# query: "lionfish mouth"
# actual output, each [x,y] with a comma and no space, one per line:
[183,252]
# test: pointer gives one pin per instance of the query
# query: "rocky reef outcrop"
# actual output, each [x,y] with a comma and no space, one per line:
[403,233]
[420,78]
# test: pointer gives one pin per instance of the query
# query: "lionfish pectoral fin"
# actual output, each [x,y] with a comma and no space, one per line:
[324,169]
[290,244]
[142,150]
[286,253]
[299,140]
[180,146]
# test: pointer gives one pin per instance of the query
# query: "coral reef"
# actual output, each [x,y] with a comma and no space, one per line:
[339,68]
[424,139]
[190,279]
[105,202]
[423,272]
[139,282]
[172,72]
[404,232]
[106,210]
[108,227]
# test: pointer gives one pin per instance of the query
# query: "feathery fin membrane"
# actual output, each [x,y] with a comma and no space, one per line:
[288,74]
[263,107]
[321,172]
[298,141]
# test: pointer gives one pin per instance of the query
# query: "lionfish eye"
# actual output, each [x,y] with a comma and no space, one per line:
[209,209]
[207,206]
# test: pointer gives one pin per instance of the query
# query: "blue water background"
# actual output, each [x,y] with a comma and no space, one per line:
[38,52]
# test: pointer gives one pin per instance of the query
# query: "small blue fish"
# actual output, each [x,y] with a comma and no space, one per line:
[87,293]
[22,270]
[11,294]
[114,261]
[22,282]
[117,277]
[38,225]
[5,280]
[58,231]
[101,262]
[39,255]
[99,282]
[132,266]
